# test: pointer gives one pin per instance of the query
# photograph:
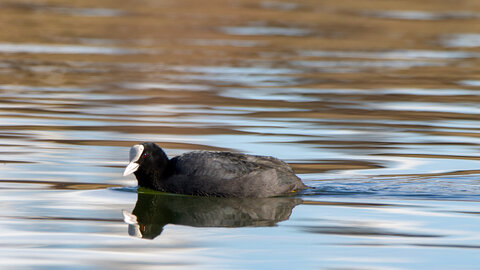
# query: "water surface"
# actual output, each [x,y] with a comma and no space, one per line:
[375,104]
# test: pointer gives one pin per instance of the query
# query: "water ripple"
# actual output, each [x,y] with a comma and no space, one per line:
[63,49]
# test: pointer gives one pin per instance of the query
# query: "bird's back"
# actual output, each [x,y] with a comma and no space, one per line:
[231,175]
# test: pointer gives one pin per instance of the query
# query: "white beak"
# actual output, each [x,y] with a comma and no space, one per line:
[131,168]
[135,153]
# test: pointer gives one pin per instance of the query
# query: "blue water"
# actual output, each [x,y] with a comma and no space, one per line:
[375,109]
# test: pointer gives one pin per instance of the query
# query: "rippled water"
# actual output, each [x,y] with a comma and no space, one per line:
[375,104]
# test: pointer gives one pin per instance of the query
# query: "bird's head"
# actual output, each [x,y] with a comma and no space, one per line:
[147,161]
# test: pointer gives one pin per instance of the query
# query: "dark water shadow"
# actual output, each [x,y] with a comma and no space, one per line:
[366,231]
[153,211]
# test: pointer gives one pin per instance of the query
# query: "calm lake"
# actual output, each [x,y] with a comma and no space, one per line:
[374,103]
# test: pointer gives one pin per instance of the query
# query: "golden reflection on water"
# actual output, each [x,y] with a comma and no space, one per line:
[374,103]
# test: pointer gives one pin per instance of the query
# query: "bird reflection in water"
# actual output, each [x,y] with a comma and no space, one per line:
[153,211]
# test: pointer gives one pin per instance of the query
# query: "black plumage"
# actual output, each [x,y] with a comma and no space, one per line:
[208,173]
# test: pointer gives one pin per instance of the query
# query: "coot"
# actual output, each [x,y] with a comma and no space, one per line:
[208,173]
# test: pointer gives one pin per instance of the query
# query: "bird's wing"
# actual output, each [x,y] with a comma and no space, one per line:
[229,174]
[224,165]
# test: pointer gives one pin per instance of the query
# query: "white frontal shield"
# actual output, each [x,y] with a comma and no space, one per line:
[135,154]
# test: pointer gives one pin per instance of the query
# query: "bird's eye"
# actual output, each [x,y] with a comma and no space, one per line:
[144,155]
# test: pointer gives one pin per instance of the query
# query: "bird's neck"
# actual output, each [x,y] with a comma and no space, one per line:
[155,176]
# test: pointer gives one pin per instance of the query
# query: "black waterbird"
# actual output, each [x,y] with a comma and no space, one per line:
[209,173]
